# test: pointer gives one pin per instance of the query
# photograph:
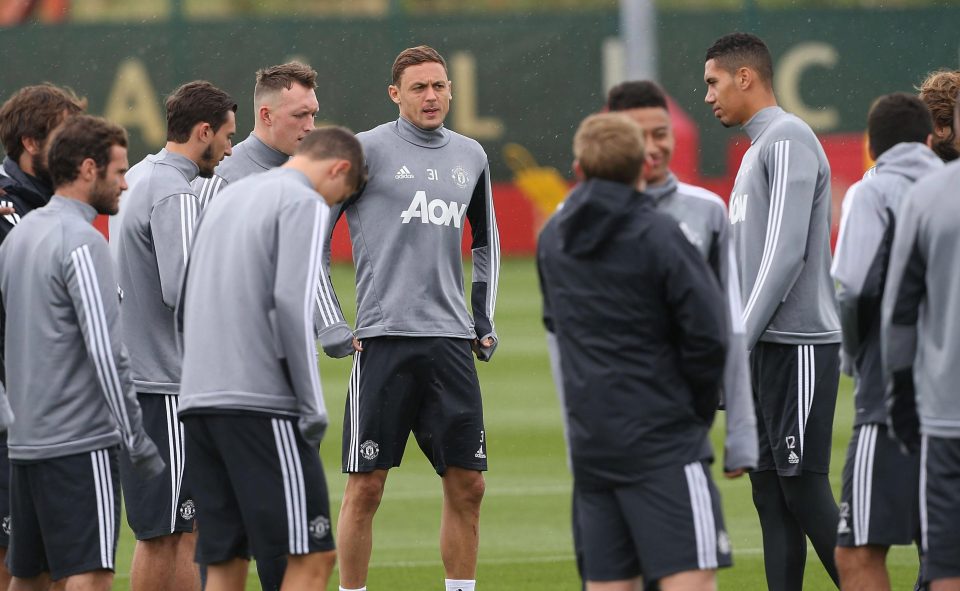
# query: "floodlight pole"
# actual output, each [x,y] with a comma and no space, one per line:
[638,30]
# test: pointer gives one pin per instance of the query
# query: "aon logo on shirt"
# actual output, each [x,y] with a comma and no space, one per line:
[435,212]
[738,208]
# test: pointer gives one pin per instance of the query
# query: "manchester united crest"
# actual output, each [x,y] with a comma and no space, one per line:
[460,177]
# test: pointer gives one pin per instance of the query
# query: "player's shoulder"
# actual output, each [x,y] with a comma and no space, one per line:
[937,186]
[376,134]
[465,143]
[701,195]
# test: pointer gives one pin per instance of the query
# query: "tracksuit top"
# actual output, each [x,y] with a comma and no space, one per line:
[641,324]
[780,212]
[921,305]
[248,157]
[407,227]
[160,212]
[21,191]
[252,156]
[860,266]
[702,217]
[68,374]
[248,301]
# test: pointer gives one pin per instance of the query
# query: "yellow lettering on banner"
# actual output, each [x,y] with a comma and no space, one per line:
[133,103]
[786,82]
[463,71]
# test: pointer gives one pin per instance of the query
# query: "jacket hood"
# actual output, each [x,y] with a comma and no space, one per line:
[591,214]
[911,160]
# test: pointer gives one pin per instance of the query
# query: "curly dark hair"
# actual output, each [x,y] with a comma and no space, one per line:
[81,137]
[33,112]
[196,102]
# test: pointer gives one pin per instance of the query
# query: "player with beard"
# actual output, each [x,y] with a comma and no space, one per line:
[160,212]
[780,217]
[75,403]
[26,120]
[939,90]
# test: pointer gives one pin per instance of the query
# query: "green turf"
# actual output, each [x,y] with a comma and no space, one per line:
[525,526]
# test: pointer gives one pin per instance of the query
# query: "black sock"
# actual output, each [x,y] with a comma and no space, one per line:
[811,501]
[784,545]
[271,573]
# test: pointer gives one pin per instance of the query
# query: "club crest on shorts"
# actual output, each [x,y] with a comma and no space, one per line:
[188,510]
[319,527]
[369,450]
[460,176]
[6,525]
[843,527]
[723,542]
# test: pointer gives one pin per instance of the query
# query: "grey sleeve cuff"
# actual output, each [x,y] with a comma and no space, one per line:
[6,413]
[145,458]
[485,353]
[336,340]
[313,428]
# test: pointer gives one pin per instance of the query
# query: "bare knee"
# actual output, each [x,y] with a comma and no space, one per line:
[860,557]
[464,488]
[691,580]
[98,580]
[364,491]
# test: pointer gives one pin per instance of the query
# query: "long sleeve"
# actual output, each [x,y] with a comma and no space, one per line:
[905,293]
[92,288]
[741,449]
[860,263]
[6,413]
[333,332]
[301,231]
[486,261]
[172,223]
[695,301]
[792,172]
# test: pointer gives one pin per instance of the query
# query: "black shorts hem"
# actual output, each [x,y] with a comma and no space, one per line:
[219,558]
[464,465]
[934,572]
[153,535]
[675,570]
[846,541]
[79,570]
[319,548]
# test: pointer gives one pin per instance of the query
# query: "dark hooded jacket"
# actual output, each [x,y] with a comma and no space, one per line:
[22,192]
[641,328]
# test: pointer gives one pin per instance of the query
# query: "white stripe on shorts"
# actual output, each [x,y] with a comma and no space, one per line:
[863,483]
[175,447]
[806,378]
[353,395]
[704,523]
[103,486]
[294,491]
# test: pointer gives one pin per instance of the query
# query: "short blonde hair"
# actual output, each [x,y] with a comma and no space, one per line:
[610,146]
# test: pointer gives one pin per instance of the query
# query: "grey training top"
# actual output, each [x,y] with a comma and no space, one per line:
[160,212]
[702,216]
[780,212]
[407,229]
[248,301]
[860,265]
[68,375]
[921,305]
[252,156]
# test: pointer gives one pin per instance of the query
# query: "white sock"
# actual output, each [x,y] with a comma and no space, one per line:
[460,584]
[364,588]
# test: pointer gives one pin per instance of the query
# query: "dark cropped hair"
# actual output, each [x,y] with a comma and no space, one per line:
[33,112]
[738,50]
[81,137]
[196,102]
[413,56]
[336,142]
[895,118]
[636,94]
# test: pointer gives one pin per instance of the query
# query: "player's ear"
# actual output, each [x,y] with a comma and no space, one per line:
[340,167]
[263,114]
[394,93]
[578,170]
[88,169]
[929,143]
[450,88]
[744,77]
[203,132]
[30,145]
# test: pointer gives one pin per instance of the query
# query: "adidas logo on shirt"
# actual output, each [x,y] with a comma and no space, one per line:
[404,173]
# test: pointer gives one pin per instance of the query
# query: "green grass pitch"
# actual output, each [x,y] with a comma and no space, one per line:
[525,523]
